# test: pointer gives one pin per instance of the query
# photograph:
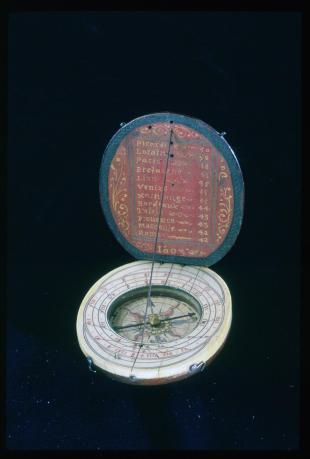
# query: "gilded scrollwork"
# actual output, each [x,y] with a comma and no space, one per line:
[164,129]
[222,175]
[224,213]
[144,246]
[118,191]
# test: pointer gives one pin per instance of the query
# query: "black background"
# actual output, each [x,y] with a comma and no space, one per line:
[72,78]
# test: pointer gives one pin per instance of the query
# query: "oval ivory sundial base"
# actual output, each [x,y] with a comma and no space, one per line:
[185,325]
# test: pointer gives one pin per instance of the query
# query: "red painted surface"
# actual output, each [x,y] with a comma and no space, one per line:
[197,206]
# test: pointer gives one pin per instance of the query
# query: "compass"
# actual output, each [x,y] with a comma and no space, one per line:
[171,190]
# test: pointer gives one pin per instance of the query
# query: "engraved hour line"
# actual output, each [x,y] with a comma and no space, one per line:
[212,299]
[139,317]
[103,338]
[112,353]
[173,352]
[208,321]
[168,274]
[173,349]
[160,274]
[101,323]
[162,320]
[168,354]
[92,306]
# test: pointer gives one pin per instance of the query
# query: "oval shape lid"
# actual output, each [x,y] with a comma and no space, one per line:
[171,190]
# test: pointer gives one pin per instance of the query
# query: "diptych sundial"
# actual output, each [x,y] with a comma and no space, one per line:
[171,190]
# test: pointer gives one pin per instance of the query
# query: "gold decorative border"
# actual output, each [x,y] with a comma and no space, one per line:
[225,211]
[163,129]
[118,191]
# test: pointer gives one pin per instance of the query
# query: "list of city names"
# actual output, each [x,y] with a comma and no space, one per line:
[196,201]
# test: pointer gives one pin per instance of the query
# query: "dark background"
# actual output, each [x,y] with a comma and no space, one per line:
[72,78]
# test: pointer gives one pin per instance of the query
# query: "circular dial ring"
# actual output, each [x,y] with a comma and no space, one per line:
[200,291]
[173,314]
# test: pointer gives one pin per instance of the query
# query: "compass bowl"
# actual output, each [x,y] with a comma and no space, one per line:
[185,326]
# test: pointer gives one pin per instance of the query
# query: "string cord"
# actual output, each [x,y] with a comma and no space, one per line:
[159,218]
[149,302]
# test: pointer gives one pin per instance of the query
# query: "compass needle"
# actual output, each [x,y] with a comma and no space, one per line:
[172,193]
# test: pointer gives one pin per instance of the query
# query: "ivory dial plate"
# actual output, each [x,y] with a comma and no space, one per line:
[187,325]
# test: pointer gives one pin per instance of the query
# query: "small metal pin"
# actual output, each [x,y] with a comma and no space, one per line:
[222,134]
[122,124]
[90,364]
[197,367]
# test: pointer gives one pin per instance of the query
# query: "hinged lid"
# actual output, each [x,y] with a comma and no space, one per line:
[175,179]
